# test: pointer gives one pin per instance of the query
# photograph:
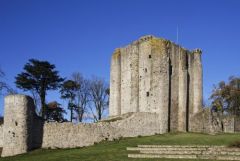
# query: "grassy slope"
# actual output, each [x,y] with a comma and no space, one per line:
[116,151]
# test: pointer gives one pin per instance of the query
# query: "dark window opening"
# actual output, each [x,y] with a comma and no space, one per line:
[149,56]
[147,94]
[170,70]
[169,95]
[186,61]
[146,70]
[16,123]
[187,110]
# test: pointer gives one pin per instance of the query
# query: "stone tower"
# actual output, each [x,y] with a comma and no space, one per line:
[18,122]
[155,75]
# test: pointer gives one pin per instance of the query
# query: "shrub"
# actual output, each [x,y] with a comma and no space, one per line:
[235,144]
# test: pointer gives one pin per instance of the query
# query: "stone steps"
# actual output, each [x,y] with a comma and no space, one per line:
[185,152]
[206,157]
[166,149]
[190,152]
[216,149]
[177,146]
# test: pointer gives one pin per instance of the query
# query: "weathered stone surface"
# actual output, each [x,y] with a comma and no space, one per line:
[17,134]
[156,87]
[157,76]
[69,135]
[115,79]
[210,122]
[237,124]
[24,131]
[1,135]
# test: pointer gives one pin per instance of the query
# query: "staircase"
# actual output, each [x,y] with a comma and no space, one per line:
[185,152]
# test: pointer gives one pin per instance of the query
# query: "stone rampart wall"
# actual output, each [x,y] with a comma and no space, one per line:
[212,122]
[69,135]
[237,124]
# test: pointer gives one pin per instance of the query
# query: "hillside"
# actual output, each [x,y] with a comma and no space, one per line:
[116,150]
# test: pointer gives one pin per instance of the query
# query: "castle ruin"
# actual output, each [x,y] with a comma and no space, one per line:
[156,87]
[158,76]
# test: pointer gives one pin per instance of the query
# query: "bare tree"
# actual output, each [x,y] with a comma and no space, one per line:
[4,86]
[99,93]
[82,95]
[2,83]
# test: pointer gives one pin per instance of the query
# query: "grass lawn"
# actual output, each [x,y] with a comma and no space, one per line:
[116,151]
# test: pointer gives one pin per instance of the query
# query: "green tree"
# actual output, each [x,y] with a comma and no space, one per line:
[39,76]
[68,92]
[55,112]
[226,97]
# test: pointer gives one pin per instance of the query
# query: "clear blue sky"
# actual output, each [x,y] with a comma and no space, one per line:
[80,35]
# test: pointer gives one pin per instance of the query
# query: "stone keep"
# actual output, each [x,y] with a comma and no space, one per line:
[158,76]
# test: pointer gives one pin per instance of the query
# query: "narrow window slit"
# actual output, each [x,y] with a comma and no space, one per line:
[147,94]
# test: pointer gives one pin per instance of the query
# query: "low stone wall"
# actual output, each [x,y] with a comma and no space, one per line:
[1,135]
[211,122]
[69,135]
[237,124]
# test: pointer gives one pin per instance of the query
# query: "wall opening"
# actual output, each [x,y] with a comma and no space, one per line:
[169,94]
[188,88]
[147,94]
[149,56]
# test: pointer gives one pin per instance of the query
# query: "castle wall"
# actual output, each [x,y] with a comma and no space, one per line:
[24,130]
[155,87]
[191,91]
[164,86]
[115,84]
[174,72]
[183,90]
[1,135]
[69,135]
[161,77]
[145,76]
[206,121]
[197,82]
[237,124]
[18,122]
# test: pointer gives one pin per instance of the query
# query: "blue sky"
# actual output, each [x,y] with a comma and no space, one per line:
[80,35]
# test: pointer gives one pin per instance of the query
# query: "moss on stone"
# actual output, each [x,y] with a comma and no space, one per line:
[113,119]
[116,53]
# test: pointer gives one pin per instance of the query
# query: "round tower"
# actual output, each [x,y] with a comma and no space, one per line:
[18,120]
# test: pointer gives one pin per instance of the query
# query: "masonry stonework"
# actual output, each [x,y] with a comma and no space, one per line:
[17,136]
[156,87]
[158,76]
[1,135]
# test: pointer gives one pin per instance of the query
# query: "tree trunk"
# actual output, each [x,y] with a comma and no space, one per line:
[99,113]
[43,104]
[71,115]
[71,109]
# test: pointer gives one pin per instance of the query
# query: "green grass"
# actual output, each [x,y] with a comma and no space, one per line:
[116,151]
